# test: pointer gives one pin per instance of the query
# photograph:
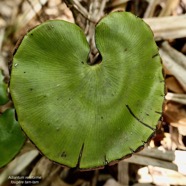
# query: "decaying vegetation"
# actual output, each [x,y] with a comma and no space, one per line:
[163,161]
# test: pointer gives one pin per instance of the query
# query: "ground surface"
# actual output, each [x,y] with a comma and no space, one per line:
[162,162]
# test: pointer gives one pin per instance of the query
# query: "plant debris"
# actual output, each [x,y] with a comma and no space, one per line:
[163,161]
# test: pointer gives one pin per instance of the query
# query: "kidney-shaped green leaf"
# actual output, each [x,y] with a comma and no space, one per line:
[82,115]
[11,137]
[3,90]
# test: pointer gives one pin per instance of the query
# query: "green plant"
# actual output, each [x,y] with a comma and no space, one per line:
[11,136]
[88,115]
[3,90]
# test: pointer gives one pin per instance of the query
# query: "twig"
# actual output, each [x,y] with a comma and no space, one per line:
[175,55]
[96,10]
[2,31]
[117,3]
[28,14]
[95,178]
[101,10]
[154,157]
[53,173]
[179,98]
[169,7]
[37,15]
[123,176]
[8,105]
[170,27]
[75,4]
[170,62]
[92,16]
[17,166]
[151,8]
[3,64]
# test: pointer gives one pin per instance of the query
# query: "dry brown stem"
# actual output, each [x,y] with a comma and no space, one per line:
[174,62]
[171,27]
